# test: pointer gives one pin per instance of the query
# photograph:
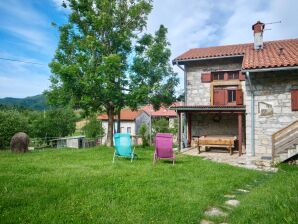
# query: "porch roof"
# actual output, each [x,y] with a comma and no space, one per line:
[209,108]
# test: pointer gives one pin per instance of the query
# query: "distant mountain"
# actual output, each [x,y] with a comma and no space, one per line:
[37,102]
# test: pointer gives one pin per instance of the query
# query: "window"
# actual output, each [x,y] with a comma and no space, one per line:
[128,129]
[218,76]
[122,130]
[227,95]
[233,75]
[231,95]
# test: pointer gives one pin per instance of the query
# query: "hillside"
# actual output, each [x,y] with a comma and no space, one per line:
[37,102]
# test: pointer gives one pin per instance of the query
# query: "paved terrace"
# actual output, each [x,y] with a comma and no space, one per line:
[261,162]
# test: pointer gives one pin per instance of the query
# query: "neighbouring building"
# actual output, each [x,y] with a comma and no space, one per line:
[162,112]
[131,122]
[75,142]
[245,90]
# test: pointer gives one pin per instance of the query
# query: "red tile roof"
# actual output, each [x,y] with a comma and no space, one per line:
[125,115]
[162,112]
[269,57]
[209,108]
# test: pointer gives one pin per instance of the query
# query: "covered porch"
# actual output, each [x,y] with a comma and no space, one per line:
[218,123]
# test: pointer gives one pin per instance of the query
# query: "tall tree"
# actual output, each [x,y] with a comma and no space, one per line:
[91,67]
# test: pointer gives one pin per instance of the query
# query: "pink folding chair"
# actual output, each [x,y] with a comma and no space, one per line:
[164,147]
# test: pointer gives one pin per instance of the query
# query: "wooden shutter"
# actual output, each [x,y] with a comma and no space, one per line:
[206,77]
[226,76]
[219,97]
[241,76]
[294,97]
[239,97]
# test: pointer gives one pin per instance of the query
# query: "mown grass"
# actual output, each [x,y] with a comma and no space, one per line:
[273,201]
[83,186]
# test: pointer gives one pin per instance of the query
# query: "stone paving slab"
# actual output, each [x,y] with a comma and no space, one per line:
[232,202]
[222,156]
[215,212]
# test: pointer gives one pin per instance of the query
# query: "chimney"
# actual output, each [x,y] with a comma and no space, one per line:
[258,29]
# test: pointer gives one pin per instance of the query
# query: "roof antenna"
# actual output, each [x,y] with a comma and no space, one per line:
[271,23]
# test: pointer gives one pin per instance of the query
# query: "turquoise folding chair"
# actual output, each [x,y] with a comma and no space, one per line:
[123,146]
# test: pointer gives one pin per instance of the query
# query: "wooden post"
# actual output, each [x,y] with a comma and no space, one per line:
[188,128]
[179,131]
[240,133]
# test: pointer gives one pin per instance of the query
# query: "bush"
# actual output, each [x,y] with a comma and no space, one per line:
[160,125]
[52,123]
[12,122]
[143,132]
[93,128]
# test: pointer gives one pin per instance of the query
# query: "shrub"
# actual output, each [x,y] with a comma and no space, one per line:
[12,122]
[160,125]
[52,123]
[143,132]
[93,128]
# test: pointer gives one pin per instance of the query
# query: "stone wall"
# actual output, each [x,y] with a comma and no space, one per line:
[215,124]
[272,90]
[198,93]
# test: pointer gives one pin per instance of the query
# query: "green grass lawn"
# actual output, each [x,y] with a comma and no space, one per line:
[83,186]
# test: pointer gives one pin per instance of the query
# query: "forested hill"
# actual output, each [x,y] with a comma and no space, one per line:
[37,102]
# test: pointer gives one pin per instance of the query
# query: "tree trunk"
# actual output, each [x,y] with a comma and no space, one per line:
[119,122]
[110,112]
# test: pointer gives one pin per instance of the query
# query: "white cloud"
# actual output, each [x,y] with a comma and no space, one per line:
[238,28]
[202,23]
[25,23]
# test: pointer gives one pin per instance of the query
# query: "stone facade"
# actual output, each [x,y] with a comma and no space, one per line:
[272,89]
[198,93]
[272,103]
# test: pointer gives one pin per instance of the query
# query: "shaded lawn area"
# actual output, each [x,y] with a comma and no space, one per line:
[83,186]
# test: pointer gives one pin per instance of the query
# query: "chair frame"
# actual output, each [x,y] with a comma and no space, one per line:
[132,156]
[155,157]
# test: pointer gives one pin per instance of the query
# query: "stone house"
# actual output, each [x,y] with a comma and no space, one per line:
[249,91]
[131,121]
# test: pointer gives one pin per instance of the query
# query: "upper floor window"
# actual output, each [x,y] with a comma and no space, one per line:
[231,95]
[218,76]
[227,95]
[233,75]
[128,129]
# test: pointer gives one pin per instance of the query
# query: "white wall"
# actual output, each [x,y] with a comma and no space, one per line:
[124,124]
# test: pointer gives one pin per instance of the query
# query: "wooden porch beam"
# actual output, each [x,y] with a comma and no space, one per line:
[179,131]
[188,128]
[240,133]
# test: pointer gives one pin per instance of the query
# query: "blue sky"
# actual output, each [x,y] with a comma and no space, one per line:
[26,32]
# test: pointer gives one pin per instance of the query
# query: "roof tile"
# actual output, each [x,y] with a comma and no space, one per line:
[270,56]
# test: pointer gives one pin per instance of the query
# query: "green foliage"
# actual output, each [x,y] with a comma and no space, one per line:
[160,125]
[152,78]
[143,132]
[12,122]
[90,62]
[52,123]
[92,67]
[93,128]
[37,102]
